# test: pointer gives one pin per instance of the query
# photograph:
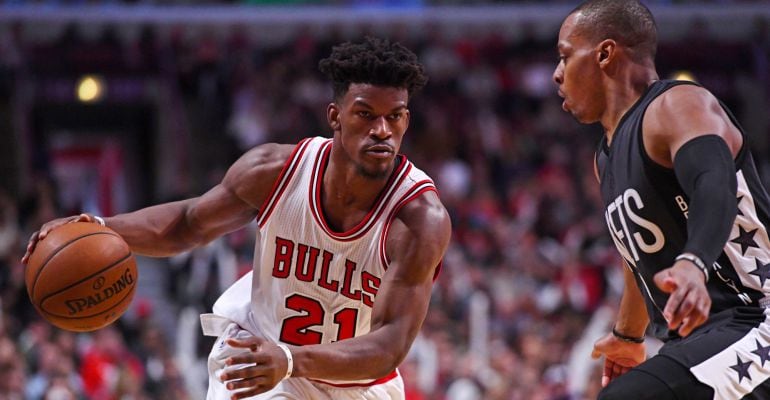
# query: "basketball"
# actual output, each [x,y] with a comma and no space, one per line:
[81,277]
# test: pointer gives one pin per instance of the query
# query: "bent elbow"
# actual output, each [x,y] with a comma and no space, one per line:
[390,360]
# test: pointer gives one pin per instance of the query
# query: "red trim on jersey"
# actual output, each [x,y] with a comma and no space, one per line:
[416,191]
[284,177]
[395,179]
[384,379]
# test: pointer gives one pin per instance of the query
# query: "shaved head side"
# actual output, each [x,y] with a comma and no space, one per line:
[628,22]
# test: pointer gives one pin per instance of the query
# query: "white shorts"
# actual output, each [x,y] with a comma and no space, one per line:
[292,388]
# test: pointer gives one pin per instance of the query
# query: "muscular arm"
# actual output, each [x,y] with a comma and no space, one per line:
[619,355]
[681,114]
[687,129]
[416,243]
[166,229]
[632,316]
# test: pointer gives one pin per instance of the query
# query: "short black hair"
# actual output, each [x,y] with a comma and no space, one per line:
[374,61]
[629,22]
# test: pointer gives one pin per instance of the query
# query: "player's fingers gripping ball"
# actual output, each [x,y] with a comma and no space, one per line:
[81,277]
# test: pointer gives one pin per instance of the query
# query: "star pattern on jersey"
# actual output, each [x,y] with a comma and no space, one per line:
[742,368]
[745,239]
[739,205]
[762,271]
[763,352]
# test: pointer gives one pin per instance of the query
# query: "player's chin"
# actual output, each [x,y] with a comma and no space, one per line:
[374,171]
[583,118]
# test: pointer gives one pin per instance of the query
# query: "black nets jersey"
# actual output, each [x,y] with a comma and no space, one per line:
[646,213]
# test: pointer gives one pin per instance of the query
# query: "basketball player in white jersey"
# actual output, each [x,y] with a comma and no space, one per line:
[351,237]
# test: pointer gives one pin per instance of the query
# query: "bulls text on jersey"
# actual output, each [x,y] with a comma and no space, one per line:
[308,268]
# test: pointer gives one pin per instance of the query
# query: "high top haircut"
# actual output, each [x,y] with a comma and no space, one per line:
[374,61]
[628,22]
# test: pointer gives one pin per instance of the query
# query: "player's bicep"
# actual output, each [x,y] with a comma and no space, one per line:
[234,202]
[681,114]
[415,246]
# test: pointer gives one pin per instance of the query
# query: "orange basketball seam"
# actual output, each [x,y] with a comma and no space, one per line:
[84,279]
[53,254]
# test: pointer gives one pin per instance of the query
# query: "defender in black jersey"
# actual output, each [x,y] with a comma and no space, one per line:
[685,208]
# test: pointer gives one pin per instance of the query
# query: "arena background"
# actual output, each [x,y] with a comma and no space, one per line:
[106,106]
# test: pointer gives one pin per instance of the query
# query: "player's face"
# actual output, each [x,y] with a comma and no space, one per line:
[578,74]
[369,123]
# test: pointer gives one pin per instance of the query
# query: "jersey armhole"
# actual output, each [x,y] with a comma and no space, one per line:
[414,192]
[283,179]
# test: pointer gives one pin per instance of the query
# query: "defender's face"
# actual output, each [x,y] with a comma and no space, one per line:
[370,122]
[578,74]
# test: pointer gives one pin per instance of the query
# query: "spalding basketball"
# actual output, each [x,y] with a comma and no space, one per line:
[81,277]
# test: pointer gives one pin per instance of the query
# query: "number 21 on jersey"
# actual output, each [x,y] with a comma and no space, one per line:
[297,330]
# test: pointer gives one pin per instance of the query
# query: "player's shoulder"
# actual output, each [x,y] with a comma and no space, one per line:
[425,215]
[266,159]
[682,97]
[253,174]
[418,236]
[679,109]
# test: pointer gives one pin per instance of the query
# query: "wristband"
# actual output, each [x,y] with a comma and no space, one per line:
[629,339]
[289,360]
[99,220]
[695,260]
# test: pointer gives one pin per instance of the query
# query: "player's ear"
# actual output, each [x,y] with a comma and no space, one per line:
[333,116]
[606,51]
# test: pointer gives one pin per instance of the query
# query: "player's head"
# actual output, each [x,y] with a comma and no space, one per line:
[373,81]
[597,39]
[628,22]
[374,61]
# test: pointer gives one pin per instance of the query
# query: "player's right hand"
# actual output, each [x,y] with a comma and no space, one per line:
[258,370]
[619,356]
[48,227]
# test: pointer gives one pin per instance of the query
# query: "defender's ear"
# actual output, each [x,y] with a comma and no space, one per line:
[606,51]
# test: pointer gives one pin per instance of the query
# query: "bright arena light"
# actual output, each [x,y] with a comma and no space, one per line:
[90,89]
[683,76]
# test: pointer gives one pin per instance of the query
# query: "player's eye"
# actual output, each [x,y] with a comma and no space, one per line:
[364,114]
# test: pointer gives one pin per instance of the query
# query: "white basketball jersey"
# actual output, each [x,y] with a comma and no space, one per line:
[313,285]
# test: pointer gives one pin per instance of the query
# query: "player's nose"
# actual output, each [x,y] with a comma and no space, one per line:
[381,128]
[558,75]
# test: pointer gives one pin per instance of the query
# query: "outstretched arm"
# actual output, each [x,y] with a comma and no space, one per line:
[170,228]
[416,243]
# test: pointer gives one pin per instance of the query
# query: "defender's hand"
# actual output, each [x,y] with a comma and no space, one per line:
[258,370]
[48,227]
[689,304]
[619,356]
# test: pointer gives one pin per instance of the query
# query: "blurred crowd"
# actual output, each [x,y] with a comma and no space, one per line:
[530,276]
[351,3]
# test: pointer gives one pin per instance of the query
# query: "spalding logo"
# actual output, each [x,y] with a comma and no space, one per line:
[84,303]
[99,283]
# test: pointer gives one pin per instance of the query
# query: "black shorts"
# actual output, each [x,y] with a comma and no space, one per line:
[727,358]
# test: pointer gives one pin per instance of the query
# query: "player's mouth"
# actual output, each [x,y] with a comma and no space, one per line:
[564,102]
[379,151]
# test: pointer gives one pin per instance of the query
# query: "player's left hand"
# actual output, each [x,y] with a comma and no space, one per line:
[619,356]
[689,302]
[255,371]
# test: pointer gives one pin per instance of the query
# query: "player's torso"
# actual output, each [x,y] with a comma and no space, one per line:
[646,213]
[314,285]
